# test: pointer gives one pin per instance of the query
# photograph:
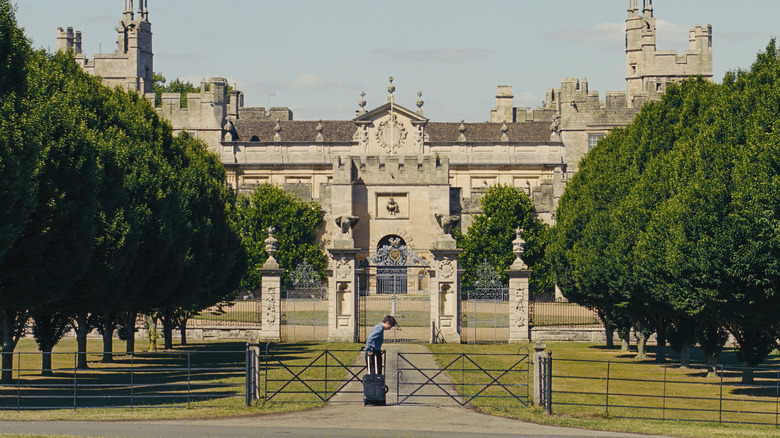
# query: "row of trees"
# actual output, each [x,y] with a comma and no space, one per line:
[106,214]
[672,225]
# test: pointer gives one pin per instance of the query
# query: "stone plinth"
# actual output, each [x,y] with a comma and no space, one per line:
[445,296]
[342,295]
[519,330]
[271,300]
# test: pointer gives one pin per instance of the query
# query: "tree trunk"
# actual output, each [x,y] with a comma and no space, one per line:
[151,323]
[660,336]
[183,330]
[640,345]
[7,348]
[168,328]
[747,376]
[609,329]
[46,361]
[108,338]
[82,330]
[712,361]
[130,327]
[624,344]
[11,329]
[685,355]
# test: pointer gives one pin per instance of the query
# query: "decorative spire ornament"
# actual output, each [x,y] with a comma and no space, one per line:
[391,90]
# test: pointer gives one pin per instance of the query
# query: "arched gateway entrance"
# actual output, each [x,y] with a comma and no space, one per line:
[395,281]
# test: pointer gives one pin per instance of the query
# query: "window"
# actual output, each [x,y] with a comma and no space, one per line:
[593,139]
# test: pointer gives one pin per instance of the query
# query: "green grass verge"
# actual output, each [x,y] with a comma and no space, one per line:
[215,384]
[687,382]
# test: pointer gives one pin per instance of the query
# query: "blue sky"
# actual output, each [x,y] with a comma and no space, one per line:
[316,56]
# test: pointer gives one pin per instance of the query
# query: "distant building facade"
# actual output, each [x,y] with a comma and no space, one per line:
[392,175]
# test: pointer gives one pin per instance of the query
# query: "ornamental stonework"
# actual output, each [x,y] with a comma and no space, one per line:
[270,306]
[391,134]
[343,269]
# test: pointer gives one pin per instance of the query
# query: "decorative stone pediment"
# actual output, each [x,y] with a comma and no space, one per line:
[391,130]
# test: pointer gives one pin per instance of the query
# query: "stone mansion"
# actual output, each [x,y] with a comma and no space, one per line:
[390,174]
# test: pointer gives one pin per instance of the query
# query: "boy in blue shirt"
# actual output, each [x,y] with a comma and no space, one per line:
[374,343]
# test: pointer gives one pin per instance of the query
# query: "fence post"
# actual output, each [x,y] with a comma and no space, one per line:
[252,370]
[538,359]
[606,402]
[548,384]
[720,404]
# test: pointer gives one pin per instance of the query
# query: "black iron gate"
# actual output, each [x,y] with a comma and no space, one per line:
[464,378]
[395,281]
[485,308]
[304,306]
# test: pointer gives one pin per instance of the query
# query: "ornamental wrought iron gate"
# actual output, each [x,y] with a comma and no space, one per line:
[485,315]
[395,281]
[304,306]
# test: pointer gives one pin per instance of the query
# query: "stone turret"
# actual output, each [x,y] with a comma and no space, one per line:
[649,70]
[131,66]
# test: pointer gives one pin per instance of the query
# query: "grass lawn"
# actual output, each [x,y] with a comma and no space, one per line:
[162,387]
[625,370]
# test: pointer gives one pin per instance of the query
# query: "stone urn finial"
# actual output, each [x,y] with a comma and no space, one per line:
[518,247]
[271,243]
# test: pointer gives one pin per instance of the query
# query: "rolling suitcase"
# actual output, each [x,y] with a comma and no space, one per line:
[374,387]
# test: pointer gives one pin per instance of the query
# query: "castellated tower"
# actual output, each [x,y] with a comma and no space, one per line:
[131,66]
[648,70]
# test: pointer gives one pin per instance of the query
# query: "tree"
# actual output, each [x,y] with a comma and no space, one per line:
[490,236]
[692,236]
[215,259]
[295,221]
[177,86]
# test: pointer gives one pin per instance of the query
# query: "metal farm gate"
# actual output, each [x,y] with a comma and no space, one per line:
[395,281]
[485,315]
[304,306]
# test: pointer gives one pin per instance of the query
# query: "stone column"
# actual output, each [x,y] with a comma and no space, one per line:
[518,273]
[445,289]
[342,284]
[270,293]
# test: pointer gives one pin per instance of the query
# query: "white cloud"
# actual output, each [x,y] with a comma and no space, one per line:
[309,81]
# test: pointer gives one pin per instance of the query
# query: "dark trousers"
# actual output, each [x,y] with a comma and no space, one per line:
[374,362]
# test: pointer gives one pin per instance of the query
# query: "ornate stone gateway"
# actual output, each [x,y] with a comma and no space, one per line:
[486,308]
[304,306]
[395,281]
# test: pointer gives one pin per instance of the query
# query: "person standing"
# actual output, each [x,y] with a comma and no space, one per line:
[376,338]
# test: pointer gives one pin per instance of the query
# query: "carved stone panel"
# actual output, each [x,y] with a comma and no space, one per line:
[392,206]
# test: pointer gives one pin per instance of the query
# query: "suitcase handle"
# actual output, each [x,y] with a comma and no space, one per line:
[386,389]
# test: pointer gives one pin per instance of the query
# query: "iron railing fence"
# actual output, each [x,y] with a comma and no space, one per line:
[141,380]
[478,379]
[239,313]
[671,393]
[289,376]
[546,312]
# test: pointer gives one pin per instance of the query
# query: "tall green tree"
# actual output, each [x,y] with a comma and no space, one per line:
[295,221]
[489,237]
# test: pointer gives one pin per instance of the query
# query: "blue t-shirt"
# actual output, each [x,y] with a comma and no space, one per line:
[375,338]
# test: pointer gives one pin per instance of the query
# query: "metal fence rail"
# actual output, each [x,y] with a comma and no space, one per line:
[672,394]
[238,313]
[483,379]
[142,380]
[289,377]
[546,313]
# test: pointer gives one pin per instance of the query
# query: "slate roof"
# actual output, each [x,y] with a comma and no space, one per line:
[533,132]
[295,131]
[344,130]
